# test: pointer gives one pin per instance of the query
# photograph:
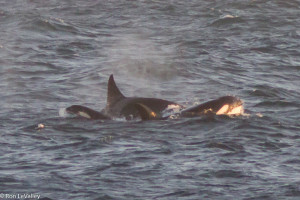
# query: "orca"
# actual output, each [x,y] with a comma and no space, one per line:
[120,106]
[226,105]
[86,112]
[147,114]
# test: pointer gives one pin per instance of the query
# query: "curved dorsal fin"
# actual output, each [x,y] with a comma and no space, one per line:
[113,92]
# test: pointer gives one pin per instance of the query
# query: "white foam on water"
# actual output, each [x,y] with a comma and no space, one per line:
[229,17]
[62,112]
[120,119]
[171,110]
[259,115]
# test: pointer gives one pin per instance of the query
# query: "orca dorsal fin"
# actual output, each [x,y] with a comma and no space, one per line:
[113,92]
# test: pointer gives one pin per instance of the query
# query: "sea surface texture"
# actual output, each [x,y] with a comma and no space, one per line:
[57,53]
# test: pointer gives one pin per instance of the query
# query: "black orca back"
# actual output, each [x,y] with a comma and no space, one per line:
[120,106]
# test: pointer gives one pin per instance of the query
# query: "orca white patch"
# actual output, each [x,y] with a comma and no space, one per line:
[223,110]
[83,114]
[237,111]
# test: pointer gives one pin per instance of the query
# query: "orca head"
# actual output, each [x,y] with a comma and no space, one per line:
[230,105]
[78,110]
[227,105]
[85,112]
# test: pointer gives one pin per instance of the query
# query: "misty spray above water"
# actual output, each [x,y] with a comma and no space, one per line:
[136,60]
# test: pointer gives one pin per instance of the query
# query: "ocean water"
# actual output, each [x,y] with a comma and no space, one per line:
[54,54]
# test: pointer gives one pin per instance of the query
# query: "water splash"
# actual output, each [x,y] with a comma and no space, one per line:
[63,113]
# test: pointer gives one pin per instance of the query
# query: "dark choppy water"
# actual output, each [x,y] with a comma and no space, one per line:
[57,53]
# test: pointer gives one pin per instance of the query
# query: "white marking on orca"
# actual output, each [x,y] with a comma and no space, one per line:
[237,111]
[223,110]
[173,107]
[83,114]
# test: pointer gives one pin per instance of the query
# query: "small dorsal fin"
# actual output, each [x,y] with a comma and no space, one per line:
[113,92]
[145,112]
